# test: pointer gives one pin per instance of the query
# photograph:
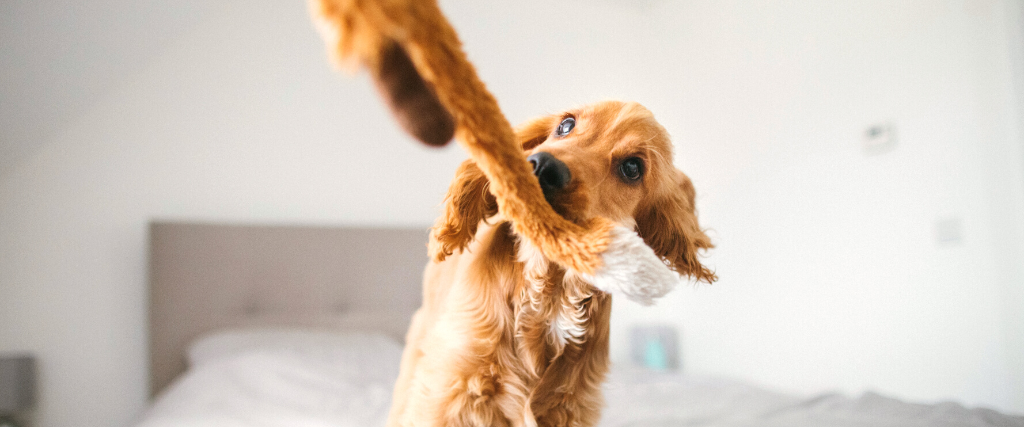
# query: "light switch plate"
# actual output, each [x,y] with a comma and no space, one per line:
[879,138]
[949,231]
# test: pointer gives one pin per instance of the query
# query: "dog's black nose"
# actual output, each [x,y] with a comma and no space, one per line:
[551,172]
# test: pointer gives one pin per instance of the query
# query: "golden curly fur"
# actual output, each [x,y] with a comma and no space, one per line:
[510,333]
[507,338]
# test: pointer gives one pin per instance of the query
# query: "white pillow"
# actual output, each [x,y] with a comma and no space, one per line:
[325,346]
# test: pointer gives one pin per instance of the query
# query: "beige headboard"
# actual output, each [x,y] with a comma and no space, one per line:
[205,277]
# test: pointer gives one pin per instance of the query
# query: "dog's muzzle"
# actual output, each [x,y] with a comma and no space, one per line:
[551,173]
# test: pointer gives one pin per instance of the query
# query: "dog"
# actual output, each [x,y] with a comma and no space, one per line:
[513,330]
[507,338]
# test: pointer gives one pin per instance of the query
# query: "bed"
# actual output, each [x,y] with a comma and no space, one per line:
[302,326]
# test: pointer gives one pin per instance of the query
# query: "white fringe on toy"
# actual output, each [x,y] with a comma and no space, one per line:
[631,268]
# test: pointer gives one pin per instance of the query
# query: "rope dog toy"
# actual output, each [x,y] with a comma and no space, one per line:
[419,67]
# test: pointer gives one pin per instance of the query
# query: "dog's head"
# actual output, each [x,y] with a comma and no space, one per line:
[610,159]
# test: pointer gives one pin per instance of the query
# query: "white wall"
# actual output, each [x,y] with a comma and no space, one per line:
[240,120]
[831,275]
[1013,295]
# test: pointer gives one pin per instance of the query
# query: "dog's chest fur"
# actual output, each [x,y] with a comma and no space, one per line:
[502,328]
[551,308]
[551,295]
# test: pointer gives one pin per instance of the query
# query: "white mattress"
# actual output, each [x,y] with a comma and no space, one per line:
[321,380]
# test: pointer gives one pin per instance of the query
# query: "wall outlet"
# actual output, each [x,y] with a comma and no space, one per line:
[949,231]
[655,347]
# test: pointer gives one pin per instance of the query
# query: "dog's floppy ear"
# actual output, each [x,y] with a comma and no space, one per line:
[468,201]
[535,131]
[669,226]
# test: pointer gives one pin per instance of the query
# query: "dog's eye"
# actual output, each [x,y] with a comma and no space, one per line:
[631,169]
[566,126]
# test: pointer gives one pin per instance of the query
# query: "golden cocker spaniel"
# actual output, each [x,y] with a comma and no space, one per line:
[507,338]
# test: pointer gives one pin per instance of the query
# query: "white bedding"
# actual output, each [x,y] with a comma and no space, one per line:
[304,379]
[662,400]
[282,378]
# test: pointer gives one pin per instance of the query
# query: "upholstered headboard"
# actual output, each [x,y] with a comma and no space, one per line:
[205,277]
